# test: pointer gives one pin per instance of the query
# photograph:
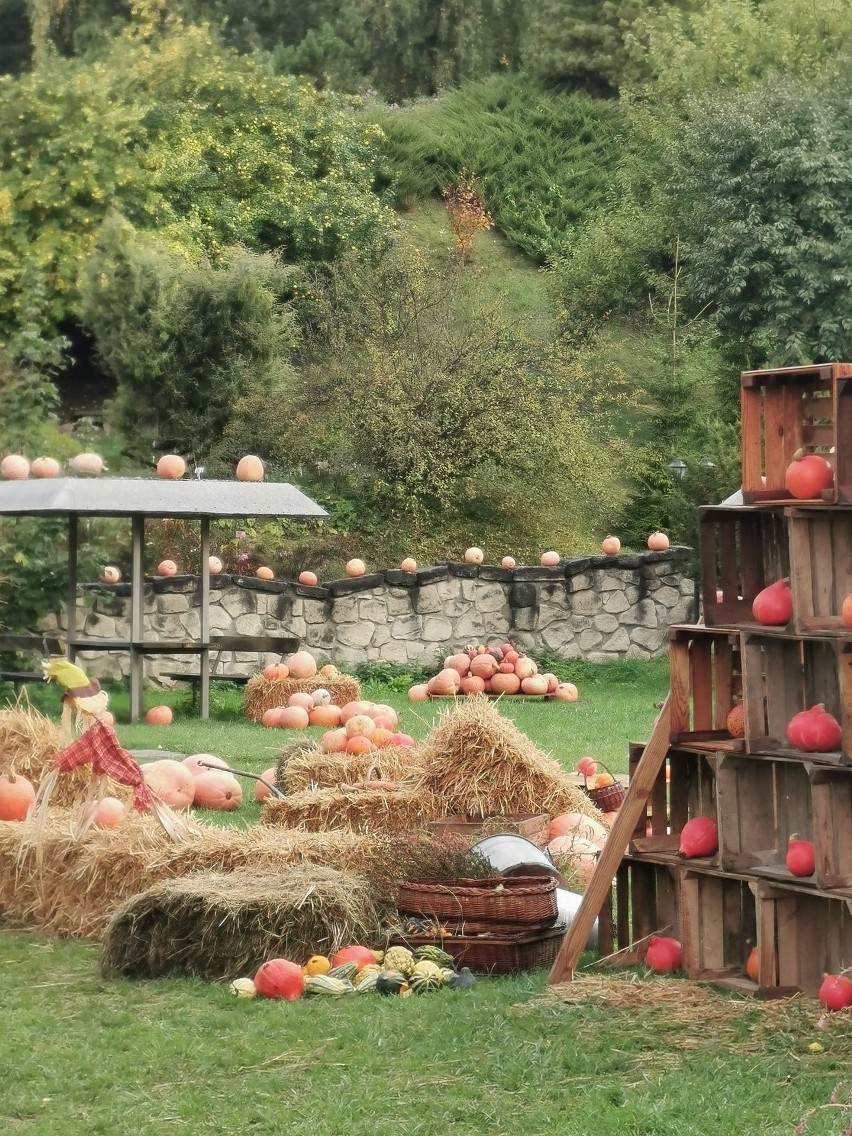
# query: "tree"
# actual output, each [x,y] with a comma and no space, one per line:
[185,340]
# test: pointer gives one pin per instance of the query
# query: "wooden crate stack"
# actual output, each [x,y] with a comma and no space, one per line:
[758,788]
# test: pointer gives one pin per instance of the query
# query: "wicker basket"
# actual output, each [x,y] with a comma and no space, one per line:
[519,900]
[493,954]
[607,799]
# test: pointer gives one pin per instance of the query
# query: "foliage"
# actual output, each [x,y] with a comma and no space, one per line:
[468,216]
[396,677]
[196,142]
[544,159]
[185,341]
[765,181]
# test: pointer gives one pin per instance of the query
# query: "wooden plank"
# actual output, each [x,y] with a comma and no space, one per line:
[751,435]
[690,923]
[701,682]
[679,683]
[631,810]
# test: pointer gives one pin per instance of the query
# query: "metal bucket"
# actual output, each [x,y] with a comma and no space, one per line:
[567,905]
[513,855]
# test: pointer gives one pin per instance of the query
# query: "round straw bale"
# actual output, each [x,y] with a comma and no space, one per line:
[265,694]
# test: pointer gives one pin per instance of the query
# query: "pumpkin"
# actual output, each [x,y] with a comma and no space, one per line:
[352,708]
[549,559]
[355,567]
[321,696]
[504,683]
[699,837]
[217,790]
[280,978]
[404,740]
[88,464]
[243,988]
[329,670]
[361,724]
[334,741]
[773,605]
[195,766]
[309,579]
[658,542]
[167,568]
[363,956]
[420,693]
[446,681]
[470,684]
[301,698]
[807,476]
[110,574]
[275,672]
[302,665]
[16,796]
[846,610]
[271,718]
[317,964]
[109,813]
[735,722]
[324,715]
[159,716]
[214,565]
[566,692]
[815,730]
[577,825]
[800,858]
[534,684]
[508,562]
[264,573]
[382,737]
[664,954]
[383,711]
[752,966]
[294,718]
[250,468]
[171,467]
[171,781]
[552,682]
[484,666]
[474,555]
[359,744]
[409,564]
[261,791]
[15,467]
[45,467]
[611,545]
[526,667]
[835,992]
[458,662]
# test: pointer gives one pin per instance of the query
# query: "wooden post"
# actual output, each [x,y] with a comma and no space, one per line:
[71,601]
[204,620]
[137,607]
[640,787]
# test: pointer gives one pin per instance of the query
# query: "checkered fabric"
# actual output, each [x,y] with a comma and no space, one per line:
[100,748]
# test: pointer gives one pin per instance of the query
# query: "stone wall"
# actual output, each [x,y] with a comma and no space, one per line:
[597,608]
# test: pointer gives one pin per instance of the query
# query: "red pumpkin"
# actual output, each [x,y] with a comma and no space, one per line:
[800,858]
[699,837]
[16,796]
[773,606]
[807,476]
[815,731]
[836,992]
[219,791]
[280,978]
[846,610]
[663,954]
[362,955]
[159,716]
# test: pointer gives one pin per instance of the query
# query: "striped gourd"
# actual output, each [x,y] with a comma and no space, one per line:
[365,972]
[345,970]
[326,984]
[368,983]
[434,954]
[424,983]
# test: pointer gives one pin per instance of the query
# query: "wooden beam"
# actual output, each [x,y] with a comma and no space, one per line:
[629,815]
[137,609]
[71,600]
[204,620]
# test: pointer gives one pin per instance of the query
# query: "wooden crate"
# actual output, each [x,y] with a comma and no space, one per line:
[706,681]
[820,567]
[742,550]
[685,788]
[791,408]
[534,826]
[644,898]
[802,937]
[718,924]
[784,674]
[760,805]
[831,791]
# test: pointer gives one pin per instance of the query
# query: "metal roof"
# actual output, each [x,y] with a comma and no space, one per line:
[154,497]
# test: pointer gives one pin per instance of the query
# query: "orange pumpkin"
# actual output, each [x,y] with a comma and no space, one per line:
[276,672]
[382,710]
[334,741]
[16,796]
[352,708]
[658,542]
[361,724]
[355,567]
[327,716]
[110,574]
[549,559]
[317,964]
[301,698]
[264,573]
[46,467]
[294,718]
[533,684]
[567,692]
[382,737]
[735,721]
[109,813]
[474,555]
[484,666]
[167,568]
[470,684]
[171,781]
[328,670]
[359,744]
[88,464]
[309,579]
[611,545]
[15,467]
[171,467]
[505,683]
[526,667]
[219,791]
[159,716]
[261,791]
[420,693]
[194,763]
[302,665]
[214,565]
[250,468]
[409,564]
[446,681]
[508,562]
[271,718]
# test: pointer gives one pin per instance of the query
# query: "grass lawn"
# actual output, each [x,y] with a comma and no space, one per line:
[83,1056]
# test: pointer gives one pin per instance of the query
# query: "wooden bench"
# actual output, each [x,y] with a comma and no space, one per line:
[259,644]
[30,645]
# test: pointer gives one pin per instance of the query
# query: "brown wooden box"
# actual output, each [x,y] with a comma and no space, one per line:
[820,567]
[718,924]
[791,408]
[685,788]
[801,936]
[831,791]
[784,674]
[534,826]
[760,805]
[742,550]
[706,682]
[644,899]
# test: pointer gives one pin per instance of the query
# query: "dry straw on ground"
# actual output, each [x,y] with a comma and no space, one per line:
[262,694]
[328,770]
[480,764]
[215,925]
[361,810]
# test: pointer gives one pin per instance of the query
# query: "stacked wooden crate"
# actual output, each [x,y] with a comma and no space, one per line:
[758,788]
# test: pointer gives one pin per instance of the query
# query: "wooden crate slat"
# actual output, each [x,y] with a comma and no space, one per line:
[821,568]
[705,682]
[831,791]
[742,550]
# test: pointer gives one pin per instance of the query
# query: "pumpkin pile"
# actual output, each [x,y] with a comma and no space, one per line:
[496,669]
[356,970]
[324,689]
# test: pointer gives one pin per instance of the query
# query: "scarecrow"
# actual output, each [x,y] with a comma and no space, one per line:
[83,701]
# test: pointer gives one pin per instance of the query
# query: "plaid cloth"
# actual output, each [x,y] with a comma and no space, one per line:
[100,748]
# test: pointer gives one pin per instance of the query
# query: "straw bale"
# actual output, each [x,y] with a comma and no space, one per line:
[328,770]
[223,925]
[289,752]
[361,810]
[265,694]
[480,764]
[80,883]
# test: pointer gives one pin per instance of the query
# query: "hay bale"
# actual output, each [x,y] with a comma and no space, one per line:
[223,925]
[480,764]
[359,810]
[81,883]
[313,767]
[264,694]
[289,752]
